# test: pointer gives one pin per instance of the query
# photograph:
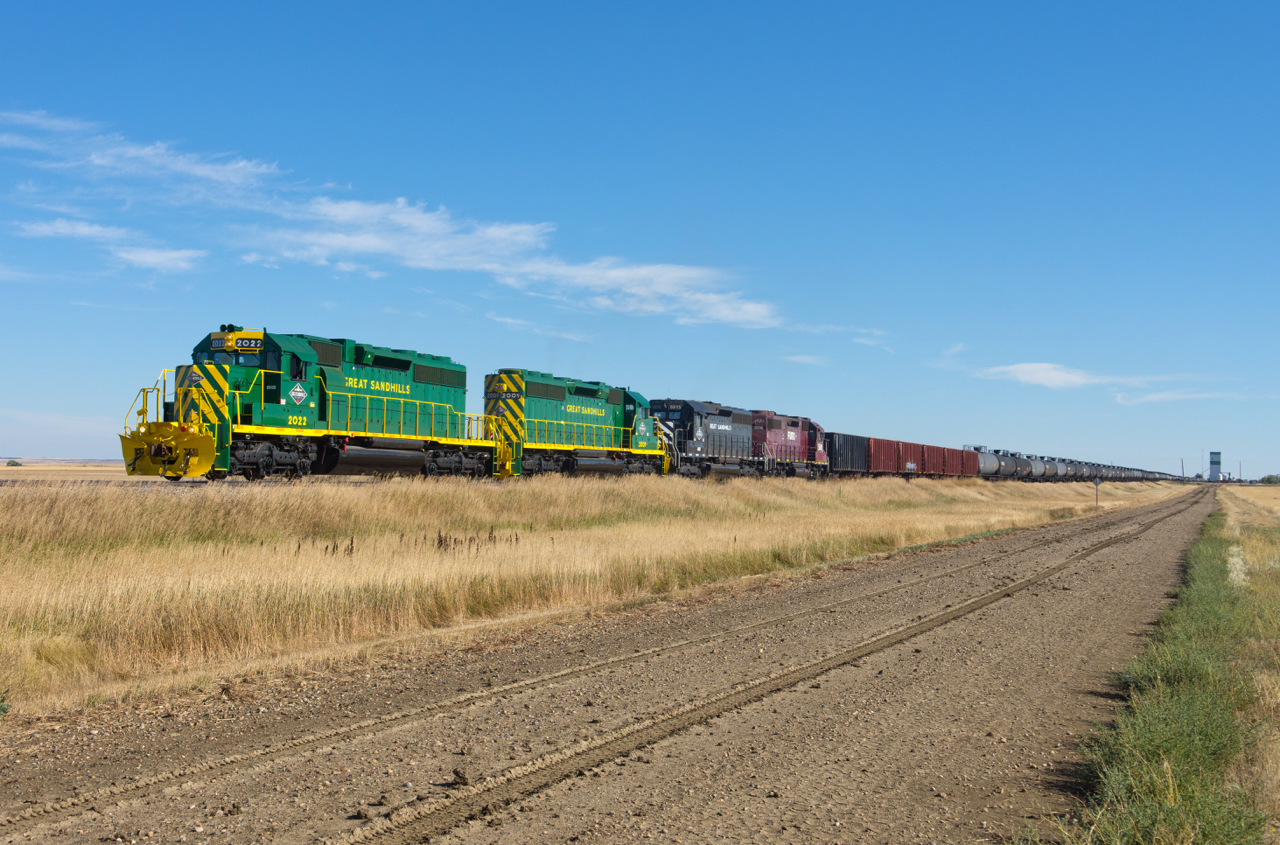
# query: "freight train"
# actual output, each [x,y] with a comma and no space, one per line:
[260,404]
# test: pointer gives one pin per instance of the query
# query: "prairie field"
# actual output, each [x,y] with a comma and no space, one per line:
[110,588]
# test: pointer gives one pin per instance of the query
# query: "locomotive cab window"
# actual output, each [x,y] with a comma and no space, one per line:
[249,359]
[297,368]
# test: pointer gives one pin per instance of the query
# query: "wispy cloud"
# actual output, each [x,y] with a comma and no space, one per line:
[812,360]
[48,122]
[147,258]
[9,274]
[290,223]
[63,228]
[955,349]
[100,306]
[537,329]
[873,337]
[1056,376]
[164,260]
[1175,396]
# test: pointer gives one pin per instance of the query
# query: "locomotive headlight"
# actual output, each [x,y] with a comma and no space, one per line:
[142,429]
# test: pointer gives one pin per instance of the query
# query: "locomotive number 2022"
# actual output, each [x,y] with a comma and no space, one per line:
[297,420]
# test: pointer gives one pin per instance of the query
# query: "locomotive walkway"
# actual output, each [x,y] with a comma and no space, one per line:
[932,695]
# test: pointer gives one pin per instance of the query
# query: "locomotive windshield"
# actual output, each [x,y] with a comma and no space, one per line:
[243,359]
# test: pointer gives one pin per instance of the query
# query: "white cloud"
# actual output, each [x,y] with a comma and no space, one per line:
[536,329]
[1046,375]
[8,140]
[165,260]
[955,349]
[812,360]
[63,228]
[260,260]
[82,304]
[1057,376]
[9,274]
[873,338]
[123,157]
[1174,396]
[44,120]
[325,231]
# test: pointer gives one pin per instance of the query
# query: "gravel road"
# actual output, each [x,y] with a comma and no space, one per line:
[845,706]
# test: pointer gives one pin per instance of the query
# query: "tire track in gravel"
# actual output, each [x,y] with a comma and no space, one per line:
[371,728]
[418,822]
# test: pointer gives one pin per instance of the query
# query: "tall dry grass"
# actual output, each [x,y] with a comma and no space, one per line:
[110,584]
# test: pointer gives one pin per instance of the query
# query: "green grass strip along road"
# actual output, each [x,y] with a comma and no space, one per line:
[1174,769]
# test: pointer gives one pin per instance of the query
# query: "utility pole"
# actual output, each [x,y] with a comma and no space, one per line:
[1183,461]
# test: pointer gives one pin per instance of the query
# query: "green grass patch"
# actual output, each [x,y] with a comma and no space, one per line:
[1171,769]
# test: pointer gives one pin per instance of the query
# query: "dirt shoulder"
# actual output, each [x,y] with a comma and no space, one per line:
[934,739]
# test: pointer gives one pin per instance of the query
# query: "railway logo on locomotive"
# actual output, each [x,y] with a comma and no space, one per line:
[298,394]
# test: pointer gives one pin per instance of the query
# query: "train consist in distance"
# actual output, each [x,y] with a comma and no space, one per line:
[259,404]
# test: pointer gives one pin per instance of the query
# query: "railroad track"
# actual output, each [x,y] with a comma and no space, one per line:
[369,728]
[434,817]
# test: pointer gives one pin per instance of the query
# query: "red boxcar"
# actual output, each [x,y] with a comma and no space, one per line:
[935,460]
[910,457]
[969,466]
[882,455]
[951,461]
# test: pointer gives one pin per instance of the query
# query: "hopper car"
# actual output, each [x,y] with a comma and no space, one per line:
[262,404]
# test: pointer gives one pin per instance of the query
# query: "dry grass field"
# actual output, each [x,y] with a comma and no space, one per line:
[51,469]
[113,587]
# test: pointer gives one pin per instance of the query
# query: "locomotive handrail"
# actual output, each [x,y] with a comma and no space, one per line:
[456,424]
[566,433]
[160,388]
[262,399]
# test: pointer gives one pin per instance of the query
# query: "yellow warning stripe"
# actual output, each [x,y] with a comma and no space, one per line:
[329,432]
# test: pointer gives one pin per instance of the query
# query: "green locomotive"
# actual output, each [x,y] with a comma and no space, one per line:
[563,425]
[259,404]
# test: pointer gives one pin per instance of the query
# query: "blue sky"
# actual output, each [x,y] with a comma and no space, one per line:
[1044,228]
